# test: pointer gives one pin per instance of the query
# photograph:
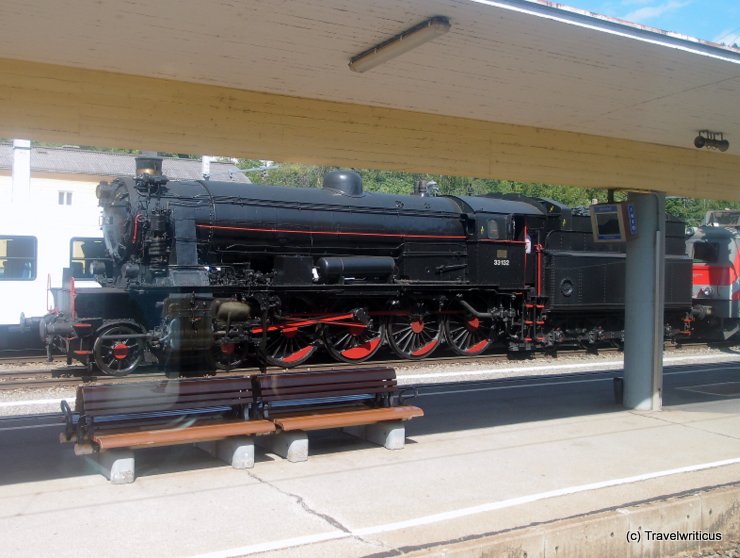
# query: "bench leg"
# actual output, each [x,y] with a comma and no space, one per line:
[237,451]
[292,446]
[389,434]
[117,465]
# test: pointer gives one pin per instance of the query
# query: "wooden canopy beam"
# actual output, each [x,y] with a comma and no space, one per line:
[63,104]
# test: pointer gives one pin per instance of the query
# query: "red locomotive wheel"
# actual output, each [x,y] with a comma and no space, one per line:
[414,334]
[290,347]
[467,335]
[353,343]
[115,353]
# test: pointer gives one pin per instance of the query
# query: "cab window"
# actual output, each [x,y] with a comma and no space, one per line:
[492,231]
[705,252]
[18,258]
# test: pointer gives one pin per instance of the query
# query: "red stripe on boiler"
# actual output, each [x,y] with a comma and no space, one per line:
[338,233]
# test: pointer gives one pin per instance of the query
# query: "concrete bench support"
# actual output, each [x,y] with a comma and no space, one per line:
[117,465]
[292,446]
[390,434]
[237,451]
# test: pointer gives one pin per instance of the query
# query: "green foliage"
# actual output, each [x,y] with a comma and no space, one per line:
[395,182]
[295,175]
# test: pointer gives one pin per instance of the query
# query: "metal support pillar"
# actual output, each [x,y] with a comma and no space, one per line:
[644,301]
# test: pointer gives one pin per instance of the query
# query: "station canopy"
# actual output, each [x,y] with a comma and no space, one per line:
[514,89]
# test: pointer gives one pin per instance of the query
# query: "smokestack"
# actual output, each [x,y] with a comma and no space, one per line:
[21,170]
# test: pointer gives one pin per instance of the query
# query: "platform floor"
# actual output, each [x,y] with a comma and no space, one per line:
[489,457]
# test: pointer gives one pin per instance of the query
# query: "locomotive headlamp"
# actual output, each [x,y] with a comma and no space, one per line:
[399,44]
[706,291]
[711,140]
[149,165]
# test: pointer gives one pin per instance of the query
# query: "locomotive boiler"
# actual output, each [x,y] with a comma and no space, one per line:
[209,273]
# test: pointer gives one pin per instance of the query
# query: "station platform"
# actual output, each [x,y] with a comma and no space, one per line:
[528,467]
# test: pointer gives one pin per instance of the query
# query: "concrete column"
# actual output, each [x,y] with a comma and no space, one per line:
[644,301]
[205,166]
[21,185]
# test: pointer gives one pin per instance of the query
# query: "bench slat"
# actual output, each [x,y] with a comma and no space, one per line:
[136,405]
[167,387]
[328,377]
[168,436]
[277,386]
[347,418]
[304,393]
[171,394]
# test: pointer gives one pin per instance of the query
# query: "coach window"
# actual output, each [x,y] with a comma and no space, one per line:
[17,258]
[83,252]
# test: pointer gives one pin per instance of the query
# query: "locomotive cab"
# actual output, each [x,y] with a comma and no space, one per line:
[499,237]
[716,285]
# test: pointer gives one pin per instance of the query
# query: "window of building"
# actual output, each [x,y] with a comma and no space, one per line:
[65,198]
[83,252]
[17,258]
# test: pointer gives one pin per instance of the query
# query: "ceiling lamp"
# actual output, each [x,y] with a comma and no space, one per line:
[397,45]
[711,140]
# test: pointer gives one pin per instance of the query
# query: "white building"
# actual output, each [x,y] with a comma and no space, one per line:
[49,214]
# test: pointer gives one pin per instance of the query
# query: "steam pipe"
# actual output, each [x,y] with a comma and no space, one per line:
[475,312]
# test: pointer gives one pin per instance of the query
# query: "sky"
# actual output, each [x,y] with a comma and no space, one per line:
[712,20]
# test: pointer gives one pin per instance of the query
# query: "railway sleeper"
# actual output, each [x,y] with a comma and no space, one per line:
[224,415]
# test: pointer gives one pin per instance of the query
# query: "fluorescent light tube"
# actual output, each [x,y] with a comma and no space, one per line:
[397,45]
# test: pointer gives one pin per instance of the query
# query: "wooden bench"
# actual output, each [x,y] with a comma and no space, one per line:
[349,398]
[112,420]
[145,414]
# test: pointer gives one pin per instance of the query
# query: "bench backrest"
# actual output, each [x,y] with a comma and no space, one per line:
[167,395]
[320,388]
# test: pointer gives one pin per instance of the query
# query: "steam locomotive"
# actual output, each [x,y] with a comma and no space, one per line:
[207,273]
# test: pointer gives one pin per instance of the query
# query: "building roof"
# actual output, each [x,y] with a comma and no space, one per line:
[72,160]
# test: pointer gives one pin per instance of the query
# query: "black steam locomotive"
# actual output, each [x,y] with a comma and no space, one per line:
[209,273]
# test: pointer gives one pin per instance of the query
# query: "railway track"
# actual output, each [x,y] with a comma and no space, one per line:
[74,375]
[21,358]
[45,377]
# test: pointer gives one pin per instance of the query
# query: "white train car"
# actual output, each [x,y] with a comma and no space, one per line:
[36,243]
